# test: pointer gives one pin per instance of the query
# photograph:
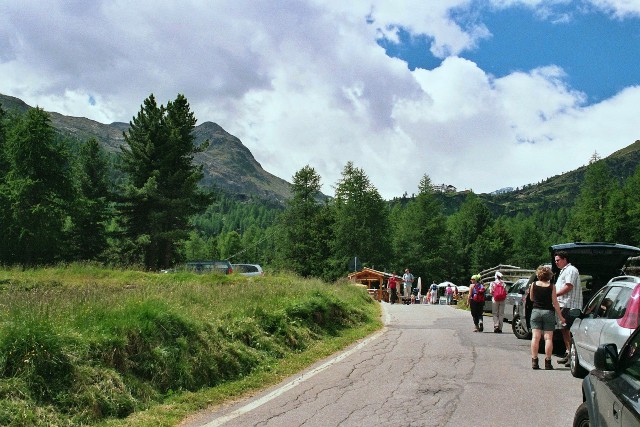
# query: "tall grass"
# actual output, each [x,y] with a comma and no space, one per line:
[80,344]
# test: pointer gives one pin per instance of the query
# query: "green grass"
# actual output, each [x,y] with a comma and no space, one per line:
[84,345]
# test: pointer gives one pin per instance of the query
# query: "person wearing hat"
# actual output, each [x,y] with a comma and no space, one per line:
[498,290]
[476,301]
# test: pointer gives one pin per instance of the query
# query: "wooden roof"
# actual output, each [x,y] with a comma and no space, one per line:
[368,274]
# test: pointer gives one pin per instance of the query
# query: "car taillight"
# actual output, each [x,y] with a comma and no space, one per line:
[630,318]
[229,270]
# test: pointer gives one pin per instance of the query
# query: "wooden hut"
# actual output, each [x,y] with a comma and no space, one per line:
[375,281]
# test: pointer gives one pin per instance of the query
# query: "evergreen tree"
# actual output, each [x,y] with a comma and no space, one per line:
[37,187]
[230,245]
[5,209]
[589,214]
[361,225]
[464,227]
[632,196]
[92,207]
[528,249]
[419,235]
[492,247]
[305,243]
[161,192]
[616,221]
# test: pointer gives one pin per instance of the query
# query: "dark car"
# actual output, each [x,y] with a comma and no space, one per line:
[597,262]
[610,392]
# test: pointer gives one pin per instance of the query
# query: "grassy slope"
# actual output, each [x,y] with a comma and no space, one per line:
[84,345]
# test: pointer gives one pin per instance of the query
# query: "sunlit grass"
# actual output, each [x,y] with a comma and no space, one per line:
[90,344]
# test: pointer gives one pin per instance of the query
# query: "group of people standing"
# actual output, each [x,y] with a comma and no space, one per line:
[551,306]
[407,283]
[409,296]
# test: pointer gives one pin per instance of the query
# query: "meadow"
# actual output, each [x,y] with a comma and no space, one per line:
[86,345]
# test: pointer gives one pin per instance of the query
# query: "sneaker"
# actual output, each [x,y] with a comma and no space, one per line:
[563,360]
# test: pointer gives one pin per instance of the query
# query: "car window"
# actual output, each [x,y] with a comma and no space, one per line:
[244,268]
[619,305]
[607,302]
[593,308]
[631,365]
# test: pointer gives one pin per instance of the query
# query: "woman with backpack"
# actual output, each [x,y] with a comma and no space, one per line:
[476,301]
[498,291]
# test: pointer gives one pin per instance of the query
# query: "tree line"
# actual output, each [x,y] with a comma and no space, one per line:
[60,201]
[63,200]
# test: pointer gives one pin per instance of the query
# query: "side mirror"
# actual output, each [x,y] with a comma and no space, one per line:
[606,357]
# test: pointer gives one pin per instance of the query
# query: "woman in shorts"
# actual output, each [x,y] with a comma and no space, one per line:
[543,318]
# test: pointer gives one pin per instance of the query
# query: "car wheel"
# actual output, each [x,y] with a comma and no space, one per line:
[519,329]
[581,419]
[576,369]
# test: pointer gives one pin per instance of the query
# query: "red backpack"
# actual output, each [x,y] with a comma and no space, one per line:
[477,294]
[499,292]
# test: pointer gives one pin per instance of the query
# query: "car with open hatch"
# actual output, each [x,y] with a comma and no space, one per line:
[597,263]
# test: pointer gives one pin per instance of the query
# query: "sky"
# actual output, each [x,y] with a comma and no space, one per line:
[481,95]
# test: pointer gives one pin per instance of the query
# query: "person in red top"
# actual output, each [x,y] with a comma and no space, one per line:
[393,288]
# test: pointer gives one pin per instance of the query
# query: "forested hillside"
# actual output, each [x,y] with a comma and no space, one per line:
[143,199]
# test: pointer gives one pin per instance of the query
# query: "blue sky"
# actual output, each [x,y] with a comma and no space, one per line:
[600,55]
[480,95]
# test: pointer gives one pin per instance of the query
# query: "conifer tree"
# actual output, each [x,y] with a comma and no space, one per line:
[161,192]
[5,211]
[589,214]
[92,207]
[305,243]
[419,234]
[361,225]
[37,187]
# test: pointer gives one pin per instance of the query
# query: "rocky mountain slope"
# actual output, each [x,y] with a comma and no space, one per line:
[227,163]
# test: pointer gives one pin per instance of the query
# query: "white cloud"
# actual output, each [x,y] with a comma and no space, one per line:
[619,8]
[306,83]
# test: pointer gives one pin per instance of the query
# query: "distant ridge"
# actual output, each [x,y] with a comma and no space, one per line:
[230,166]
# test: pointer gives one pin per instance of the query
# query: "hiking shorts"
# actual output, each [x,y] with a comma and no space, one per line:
[543,319]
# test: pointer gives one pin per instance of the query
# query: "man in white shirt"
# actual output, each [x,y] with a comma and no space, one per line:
[569,293]
[407,280]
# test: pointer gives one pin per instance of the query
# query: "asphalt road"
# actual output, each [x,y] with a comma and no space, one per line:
[425,368]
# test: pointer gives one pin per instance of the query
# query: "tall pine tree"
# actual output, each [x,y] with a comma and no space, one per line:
[305,245]
[419,235]
[161,192]
[37,187]
[361,225]
[92,207]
